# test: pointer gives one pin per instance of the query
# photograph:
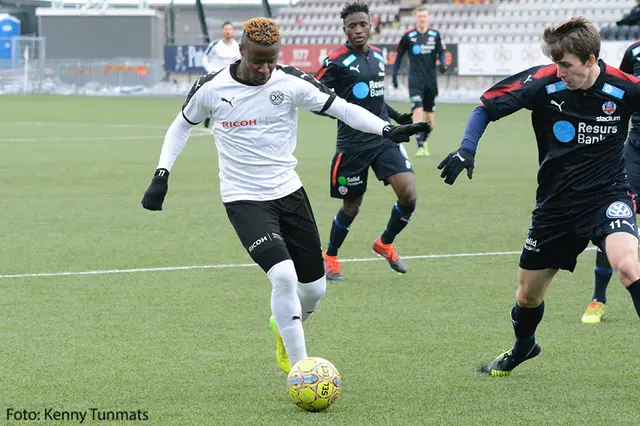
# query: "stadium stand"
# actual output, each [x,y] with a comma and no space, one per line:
[317,21]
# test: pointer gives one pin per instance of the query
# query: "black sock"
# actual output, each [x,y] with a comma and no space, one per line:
[339,231]
[634,290]
[420,139]
[427,133]
[400,217]
[603,274]
[525,321]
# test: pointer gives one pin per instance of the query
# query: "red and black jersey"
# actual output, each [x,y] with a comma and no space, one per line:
[357,77]
[631,65]
[580,133]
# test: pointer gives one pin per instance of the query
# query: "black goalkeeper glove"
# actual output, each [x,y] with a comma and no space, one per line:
[404,118]
[394,81]
[403,133]
[456,162]
[154,195]
[443,68]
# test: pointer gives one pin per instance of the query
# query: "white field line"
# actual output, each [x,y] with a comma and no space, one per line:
[196,132]
[245,265]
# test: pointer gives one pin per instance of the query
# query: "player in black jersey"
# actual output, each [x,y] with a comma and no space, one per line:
[424,46]
[356,72]
[603,272]
[580,113]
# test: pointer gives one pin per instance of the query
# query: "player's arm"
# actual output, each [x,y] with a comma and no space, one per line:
[626,65]
[206,57]
[504,98]
[312,95]
[399,117]
[442,55]
[402,48]
[175,139]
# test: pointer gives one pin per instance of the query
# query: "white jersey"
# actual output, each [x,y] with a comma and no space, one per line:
[220,54]
[255,128]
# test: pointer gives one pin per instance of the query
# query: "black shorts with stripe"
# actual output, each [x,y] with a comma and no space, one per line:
[277,230]
[556,243]
[350,168]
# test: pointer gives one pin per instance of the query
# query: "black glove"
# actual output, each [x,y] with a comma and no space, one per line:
[404,118]
[154,195]
[394,81]
[402,133]
[443,68]
[456,162]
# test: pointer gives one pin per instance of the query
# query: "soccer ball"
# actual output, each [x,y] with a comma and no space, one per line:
[314,384]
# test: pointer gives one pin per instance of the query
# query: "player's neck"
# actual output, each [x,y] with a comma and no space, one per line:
[593,76]
[361,49]
[422,30]
[227,41]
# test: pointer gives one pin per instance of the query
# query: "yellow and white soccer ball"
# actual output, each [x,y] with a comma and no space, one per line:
[314,384]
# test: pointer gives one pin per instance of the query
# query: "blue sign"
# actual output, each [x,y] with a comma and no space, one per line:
[185,58]
[9,28]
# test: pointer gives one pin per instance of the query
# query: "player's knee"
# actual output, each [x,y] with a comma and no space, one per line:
[283,277]
[527,297]
[408,201]
[627,267]
[314,290]
[352,207]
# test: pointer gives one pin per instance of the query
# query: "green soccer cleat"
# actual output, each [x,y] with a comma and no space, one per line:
[281,353]
[594,313]
[505,363]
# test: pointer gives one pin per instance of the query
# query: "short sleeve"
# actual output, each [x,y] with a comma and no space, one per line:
[307,92]
[194,109]
[516,92]
[328,74]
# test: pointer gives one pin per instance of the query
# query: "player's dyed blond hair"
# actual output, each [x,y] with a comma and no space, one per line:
[263,31]
[419,9]
[577,36]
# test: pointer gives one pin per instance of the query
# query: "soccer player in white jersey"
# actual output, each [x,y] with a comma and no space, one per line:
[221,53]
[254,104]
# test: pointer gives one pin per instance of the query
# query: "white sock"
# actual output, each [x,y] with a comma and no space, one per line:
[310,295]
[286,309]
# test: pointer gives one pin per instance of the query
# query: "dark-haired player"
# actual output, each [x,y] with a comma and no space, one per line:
[580,114]
[603,272]
[355,72]
[254,104]
[424,46]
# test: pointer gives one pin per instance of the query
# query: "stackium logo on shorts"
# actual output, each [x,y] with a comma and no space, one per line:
[350,181]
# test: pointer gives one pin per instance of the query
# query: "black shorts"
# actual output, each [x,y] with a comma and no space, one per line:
[557,244]
[423,97]
[286,225]
[632,159]
[350,169]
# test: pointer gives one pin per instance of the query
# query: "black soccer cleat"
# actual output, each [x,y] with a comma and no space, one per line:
[506,362]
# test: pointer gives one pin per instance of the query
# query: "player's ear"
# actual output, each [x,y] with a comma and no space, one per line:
[592,60]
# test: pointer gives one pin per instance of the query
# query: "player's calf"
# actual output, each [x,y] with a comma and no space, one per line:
[286,308]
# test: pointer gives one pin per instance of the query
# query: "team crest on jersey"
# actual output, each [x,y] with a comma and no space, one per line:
[609,107]
[343,190]
[619,210]
[276,97]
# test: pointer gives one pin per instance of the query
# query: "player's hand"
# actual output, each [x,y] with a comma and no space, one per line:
[154,195]
[456,162]
[404,118]
[403,133]
[443,68]
[394,81]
